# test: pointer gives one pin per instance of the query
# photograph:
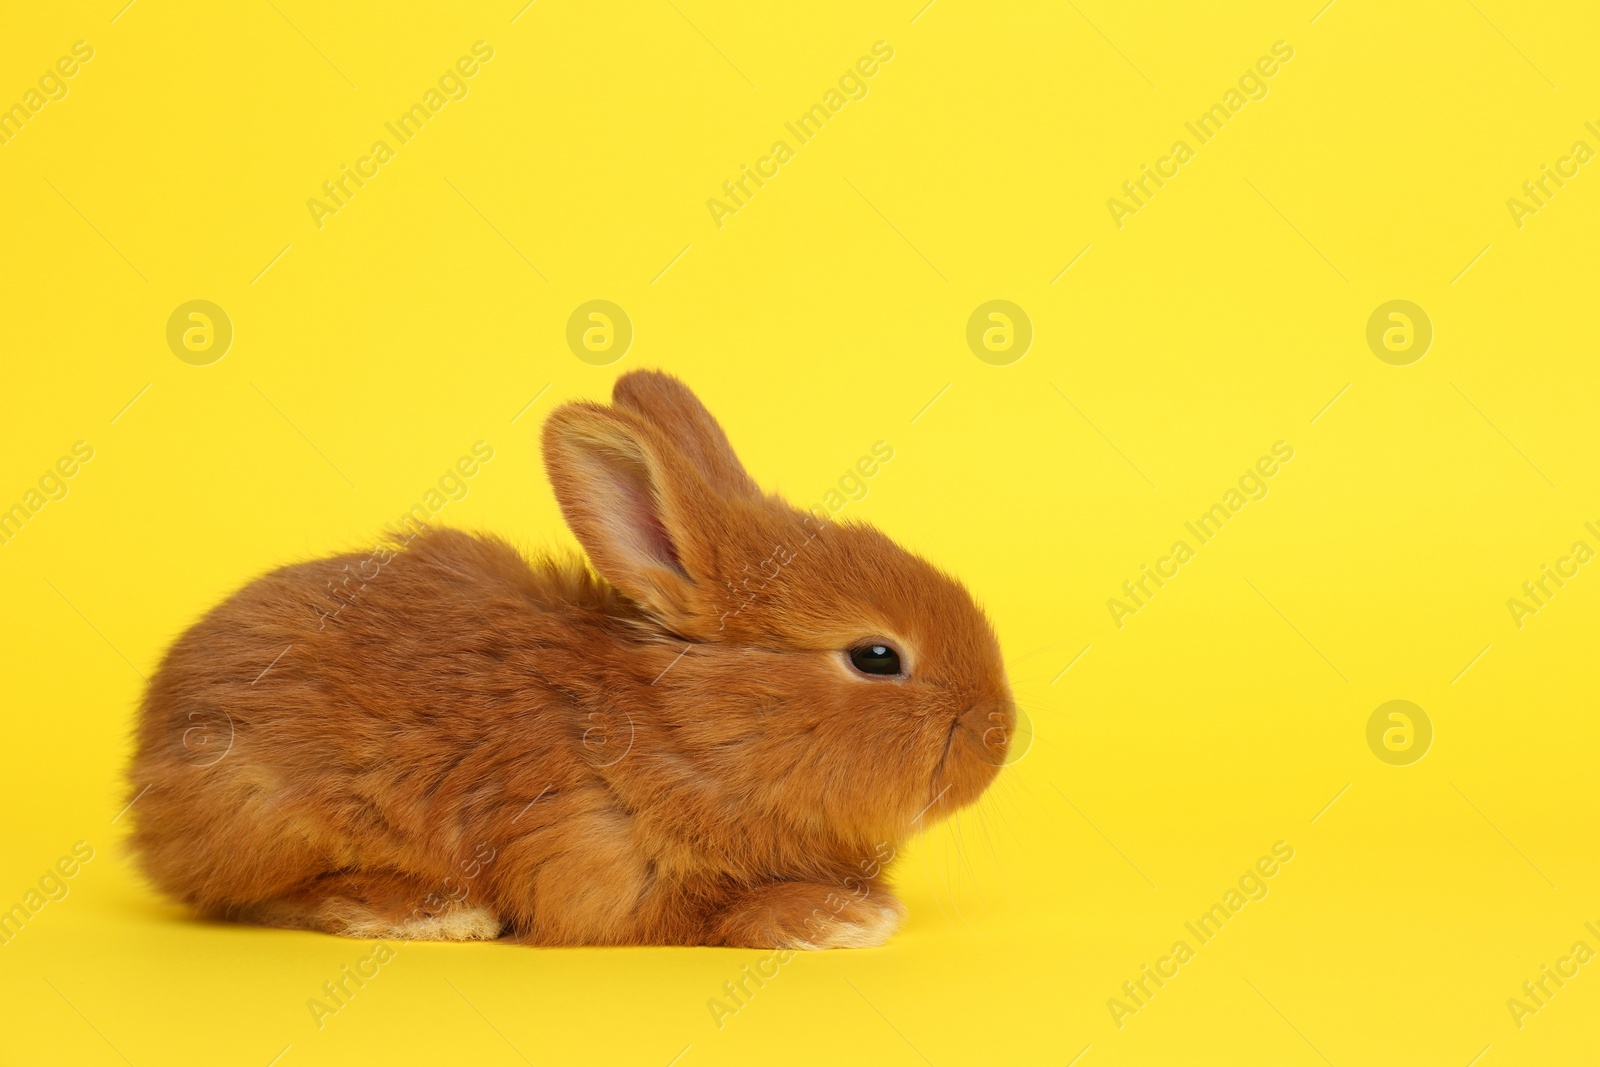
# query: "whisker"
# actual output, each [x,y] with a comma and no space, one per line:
[944,914]
[1029,655]
[963,861]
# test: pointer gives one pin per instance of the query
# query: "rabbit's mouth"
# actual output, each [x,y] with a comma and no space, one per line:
[949,742]
[965,776]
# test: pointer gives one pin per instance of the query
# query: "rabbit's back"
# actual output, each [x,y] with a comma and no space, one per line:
[358,712]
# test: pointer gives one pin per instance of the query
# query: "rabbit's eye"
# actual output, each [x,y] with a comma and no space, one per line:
[875,659]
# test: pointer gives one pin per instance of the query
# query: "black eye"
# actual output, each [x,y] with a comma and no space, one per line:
[875,659]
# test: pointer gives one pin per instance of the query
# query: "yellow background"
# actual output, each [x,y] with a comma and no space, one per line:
[822,317]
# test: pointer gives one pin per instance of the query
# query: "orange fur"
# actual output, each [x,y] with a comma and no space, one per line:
[677,752]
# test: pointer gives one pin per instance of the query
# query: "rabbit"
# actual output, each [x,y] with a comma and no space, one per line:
[718,735]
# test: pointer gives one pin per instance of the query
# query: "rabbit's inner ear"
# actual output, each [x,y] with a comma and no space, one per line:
[635,517]
[608,476]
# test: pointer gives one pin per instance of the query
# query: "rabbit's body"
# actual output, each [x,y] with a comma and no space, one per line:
[472,745]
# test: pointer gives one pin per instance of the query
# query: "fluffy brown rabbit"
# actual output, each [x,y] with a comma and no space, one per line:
[720,739]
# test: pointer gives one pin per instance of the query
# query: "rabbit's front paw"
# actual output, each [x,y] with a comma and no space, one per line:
[807,915]
[865,924]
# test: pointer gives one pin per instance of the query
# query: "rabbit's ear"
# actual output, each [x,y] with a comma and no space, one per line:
[640,509]
[669,406]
